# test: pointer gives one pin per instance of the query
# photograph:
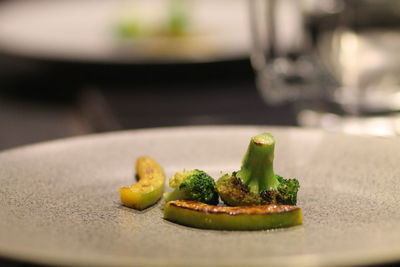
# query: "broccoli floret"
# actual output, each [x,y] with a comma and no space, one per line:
[234,193]
[285,194]
[256,183]
[178,18]
[192,185]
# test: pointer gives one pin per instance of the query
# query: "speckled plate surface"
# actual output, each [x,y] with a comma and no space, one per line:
[60,203]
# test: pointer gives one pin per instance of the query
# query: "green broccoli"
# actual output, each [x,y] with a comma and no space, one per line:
[178,18]
[256,183]
[192,185]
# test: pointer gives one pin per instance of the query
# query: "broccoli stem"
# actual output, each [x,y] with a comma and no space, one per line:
[257,166]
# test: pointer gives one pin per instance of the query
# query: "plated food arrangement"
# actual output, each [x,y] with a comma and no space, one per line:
[254,198]
[60,204]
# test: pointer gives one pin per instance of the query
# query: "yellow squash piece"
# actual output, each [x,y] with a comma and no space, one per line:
[148,190]
[200,215]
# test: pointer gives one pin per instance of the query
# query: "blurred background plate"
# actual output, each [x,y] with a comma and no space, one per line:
[90,31]
[60,201]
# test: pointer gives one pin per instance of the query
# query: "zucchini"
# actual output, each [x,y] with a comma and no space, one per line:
[148,190]
[200,215]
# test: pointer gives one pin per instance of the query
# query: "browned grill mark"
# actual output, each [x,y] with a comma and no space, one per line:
[233,211]
[259,143]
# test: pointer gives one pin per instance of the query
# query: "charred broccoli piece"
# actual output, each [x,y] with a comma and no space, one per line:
[256,183]
[192,185]
[234,193]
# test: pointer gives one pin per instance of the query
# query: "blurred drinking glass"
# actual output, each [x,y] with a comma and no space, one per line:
[336,60]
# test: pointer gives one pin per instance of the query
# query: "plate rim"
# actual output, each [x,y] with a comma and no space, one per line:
[190,127]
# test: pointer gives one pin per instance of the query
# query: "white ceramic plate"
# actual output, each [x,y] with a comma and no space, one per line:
[60,201]
[85,30]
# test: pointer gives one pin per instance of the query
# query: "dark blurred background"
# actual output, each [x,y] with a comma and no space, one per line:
[48,96]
